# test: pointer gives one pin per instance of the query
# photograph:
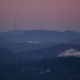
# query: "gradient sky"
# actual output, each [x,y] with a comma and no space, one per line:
[40,14]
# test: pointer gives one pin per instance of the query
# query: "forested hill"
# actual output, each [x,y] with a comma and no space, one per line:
[7,56]
[49,52]
[44,69]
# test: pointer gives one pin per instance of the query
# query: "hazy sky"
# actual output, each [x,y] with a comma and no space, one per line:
[40,14]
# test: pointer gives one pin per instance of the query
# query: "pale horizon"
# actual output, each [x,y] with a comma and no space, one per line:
[57,15]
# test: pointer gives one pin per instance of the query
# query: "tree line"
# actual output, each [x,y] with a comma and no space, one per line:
[67,68]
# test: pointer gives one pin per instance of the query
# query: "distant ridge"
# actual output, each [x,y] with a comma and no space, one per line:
[41,36]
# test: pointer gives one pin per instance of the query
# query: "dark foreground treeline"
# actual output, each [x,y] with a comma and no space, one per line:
[43,69]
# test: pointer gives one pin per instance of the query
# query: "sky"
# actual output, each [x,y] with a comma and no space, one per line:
[57,15]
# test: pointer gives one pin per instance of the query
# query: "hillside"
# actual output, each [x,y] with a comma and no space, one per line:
[75,41]
[49,52]
[25,47]
[7,56]
[70,53]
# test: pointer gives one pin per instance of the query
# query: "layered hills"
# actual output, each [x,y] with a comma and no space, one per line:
[40,36]
[8,56]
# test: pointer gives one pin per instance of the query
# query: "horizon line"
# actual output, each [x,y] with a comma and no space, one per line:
[40,30]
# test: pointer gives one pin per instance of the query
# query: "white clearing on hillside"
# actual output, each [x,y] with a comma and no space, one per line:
[69,53]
